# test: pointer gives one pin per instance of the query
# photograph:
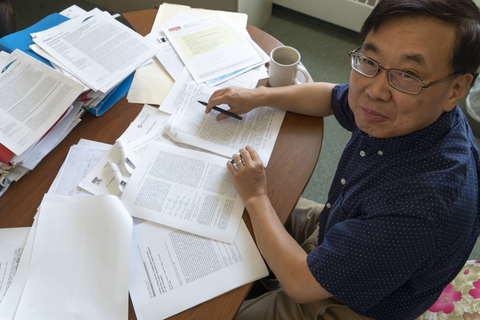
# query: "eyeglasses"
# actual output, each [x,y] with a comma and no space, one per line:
[400,80]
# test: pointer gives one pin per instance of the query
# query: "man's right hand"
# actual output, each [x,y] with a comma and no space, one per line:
[240,100]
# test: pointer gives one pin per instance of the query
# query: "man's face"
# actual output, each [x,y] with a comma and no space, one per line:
[418,45]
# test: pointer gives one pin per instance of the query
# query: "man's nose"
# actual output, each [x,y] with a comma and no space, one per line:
[379,88]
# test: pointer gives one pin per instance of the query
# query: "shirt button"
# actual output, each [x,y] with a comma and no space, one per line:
[380,153]
[343,181]
[362,153]
[329,205]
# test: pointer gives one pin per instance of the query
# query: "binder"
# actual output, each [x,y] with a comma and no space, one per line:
[5,155]
[22,40]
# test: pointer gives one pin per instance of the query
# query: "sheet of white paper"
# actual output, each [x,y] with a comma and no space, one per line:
[94,144]
[150,118]
[172,270]
[102,179]
[137,147]
[12,242]
[96,48]
[174,97]
[80,261]
[72,11]
[167,55]
[185,189]
[79,163]
[211,47]
[33,96]
[169,58]
[190,125]
[9,303]
[248,79]
[57,65]
[238,73]
[4,56]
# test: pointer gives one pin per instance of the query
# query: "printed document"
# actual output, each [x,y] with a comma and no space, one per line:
[12,242]
[80,261]
[112,172]
[167,55]
[9,303]
[79,163]
[172,270]
[96,48]
[33,97]
[212,47]
[185,189]
[152,83]
[190,125]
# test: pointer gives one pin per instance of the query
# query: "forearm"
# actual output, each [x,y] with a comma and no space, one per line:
[313,99]
[283,254]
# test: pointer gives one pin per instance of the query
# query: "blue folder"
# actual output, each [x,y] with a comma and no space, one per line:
[21,40]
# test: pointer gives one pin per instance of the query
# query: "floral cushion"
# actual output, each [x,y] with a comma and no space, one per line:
[460,300]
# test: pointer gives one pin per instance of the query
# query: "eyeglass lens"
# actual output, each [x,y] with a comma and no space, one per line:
[397,79]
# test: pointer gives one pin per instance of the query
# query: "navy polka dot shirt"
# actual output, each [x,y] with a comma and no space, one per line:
[402,216]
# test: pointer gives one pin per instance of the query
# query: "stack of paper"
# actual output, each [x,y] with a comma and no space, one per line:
[213,46]
[94,57]
[75,262]
[36,112]
[94,49]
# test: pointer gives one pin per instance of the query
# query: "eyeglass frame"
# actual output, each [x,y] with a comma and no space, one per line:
[424,86]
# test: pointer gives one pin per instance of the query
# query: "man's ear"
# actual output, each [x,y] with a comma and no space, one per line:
[459,89]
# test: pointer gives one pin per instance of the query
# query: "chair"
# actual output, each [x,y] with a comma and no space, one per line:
[7,18]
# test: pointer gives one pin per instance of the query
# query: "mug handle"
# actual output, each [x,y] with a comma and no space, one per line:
[305,73]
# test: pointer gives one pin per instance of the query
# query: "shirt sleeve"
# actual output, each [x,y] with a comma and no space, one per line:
[340,107]
[361,261]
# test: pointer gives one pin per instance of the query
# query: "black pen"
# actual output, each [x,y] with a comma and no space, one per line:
[228,113]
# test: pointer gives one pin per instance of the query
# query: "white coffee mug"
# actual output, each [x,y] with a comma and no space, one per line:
[284,64]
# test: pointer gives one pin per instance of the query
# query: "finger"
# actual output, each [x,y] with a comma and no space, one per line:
[213,98]
[218,93]
[245,156]
[218,98]
[236,158]
[237,161]
[221,116]
[231,168]
[253,154]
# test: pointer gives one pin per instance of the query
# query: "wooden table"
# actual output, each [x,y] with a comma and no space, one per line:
[292,163]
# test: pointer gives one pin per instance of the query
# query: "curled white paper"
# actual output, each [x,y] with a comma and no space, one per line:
[123,150]
[117,175]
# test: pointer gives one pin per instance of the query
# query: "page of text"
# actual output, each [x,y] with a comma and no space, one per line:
[172,270]
[185,189]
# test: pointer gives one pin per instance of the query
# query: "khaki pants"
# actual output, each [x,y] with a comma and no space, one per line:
[276,304]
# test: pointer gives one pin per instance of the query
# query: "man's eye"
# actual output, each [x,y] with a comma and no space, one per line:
[408,74]
[368,61]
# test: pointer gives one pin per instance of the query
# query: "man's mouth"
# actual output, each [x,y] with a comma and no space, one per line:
[372,115]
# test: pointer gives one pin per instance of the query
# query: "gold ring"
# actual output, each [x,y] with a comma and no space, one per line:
[239,161]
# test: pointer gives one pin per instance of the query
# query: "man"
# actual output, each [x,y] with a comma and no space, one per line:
[402,213]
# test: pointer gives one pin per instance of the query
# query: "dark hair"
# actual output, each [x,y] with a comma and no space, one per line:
[464,14]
